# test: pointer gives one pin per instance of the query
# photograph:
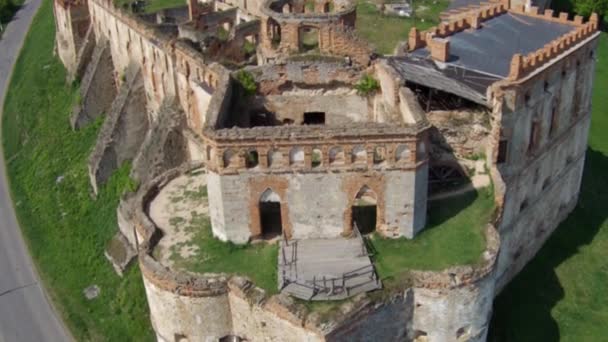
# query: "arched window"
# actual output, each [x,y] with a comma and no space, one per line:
[336,156]
[402,153]
[296,156]
[275,158]
[316,158]
[379,155]
[230,158]
[251,159]
[359,155]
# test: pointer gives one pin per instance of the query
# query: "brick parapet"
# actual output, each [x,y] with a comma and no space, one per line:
[521,66]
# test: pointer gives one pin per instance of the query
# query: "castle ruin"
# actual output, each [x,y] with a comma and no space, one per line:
[304,138]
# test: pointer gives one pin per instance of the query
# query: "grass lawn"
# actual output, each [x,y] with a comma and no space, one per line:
[65,229]
[152,6]
[454,236]
[562,294]
[258,262]
[384,31]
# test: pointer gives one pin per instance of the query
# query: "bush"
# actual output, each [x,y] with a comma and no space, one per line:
[247,81]
[367,85]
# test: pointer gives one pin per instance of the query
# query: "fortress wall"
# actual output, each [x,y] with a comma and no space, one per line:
[205,318]
[544,125]
[309,213]
[458,314]
[130,41]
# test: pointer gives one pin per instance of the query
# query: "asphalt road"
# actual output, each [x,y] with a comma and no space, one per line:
[25,312]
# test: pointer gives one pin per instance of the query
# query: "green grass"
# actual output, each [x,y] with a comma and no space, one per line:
[65,229]
[385,31]
[562,294]
[454,236]
[152,6]
[257,261]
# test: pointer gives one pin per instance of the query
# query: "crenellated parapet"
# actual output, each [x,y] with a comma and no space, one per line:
[524,65]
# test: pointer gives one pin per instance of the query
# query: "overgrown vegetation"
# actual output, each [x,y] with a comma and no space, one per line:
[367,85]
[561,293]
[65,229]
[247,81]
[148,6]
[386,31]
[583,7]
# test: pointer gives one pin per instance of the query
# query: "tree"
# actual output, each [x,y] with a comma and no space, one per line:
[7,8]
[586,7]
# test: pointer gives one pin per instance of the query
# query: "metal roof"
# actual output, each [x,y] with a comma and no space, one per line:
[490,48]
[467,84]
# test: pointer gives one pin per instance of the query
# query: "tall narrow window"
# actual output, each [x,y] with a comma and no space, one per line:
[503,147]
[533,142]
[554,121]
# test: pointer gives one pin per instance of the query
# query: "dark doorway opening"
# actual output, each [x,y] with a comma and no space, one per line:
[364,211]
[314,118]
[270,215]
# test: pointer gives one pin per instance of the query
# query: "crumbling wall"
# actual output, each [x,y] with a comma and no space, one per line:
[71,25]
[460,133]
[164,146]
[539,144]
[123,130]
[97,89]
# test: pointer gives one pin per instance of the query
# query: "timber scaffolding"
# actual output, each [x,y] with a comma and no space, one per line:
[326,269]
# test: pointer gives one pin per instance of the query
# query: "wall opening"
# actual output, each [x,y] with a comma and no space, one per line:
[270,214]
[251,159]
[503,145]
[316,157]
[309,39]
[364,210]
[314,118]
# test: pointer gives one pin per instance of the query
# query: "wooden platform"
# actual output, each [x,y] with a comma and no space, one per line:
[326,269]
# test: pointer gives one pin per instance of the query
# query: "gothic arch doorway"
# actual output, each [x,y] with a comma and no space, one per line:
[365,210]
[270,214]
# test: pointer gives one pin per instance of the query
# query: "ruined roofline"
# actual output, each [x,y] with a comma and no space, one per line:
[142,27]
[435,38]
[363,130]
[311,16]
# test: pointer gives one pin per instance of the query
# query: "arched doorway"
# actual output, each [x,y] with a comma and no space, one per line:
[364,210]
[270,214]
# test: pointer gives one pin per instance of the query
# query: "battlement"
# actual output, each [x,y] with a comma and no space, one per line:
[438,40]
[524,65]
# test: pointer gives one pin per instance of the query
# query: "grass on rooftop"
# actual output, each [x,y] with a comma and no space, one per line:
[66,231]
[384,32]
[152,6]
[257,261]
[454,235]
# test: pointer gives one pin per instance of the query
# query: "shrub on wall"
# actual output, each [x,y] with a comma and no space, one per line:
[247,81]
[367,85]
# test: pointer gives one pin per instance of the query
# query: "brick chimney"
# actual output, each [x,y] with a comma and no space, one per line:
[440,49]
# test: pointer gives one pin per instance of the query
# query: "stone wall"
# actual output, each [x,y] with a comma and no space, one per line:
[542,123]
[309,213]
[97,89]
[71,25]
[449,305]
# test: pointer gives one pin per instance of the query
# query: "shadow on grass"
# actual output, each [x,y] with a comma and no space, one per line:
[442,210]
[522,312]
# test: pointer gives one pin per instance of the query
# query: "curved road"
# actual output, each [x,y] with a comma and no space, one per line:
[25,312]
